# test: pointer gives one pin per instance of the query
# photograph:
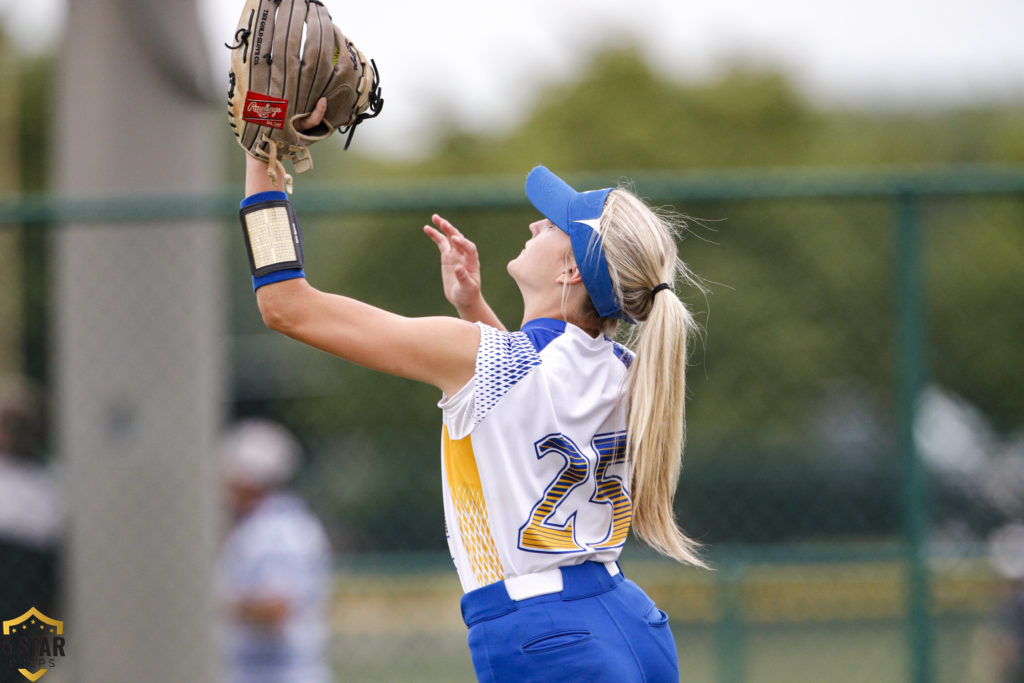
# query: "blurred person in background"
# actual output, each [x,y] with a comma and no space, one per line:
[275,567]
[30,510]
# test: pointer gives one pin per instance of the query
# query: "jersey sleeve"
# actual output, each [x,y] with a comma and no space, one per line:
[503,360]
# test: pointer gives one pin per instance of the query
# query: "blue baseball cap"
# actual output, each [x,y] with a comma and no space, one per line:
[577,214]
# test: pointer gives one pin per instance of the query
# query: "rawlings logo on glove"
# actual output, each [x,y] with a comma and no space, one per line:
[264,110]
[281,67]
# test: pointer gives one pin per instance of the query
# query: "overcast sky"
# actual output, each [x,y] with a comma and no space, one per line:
[481,63]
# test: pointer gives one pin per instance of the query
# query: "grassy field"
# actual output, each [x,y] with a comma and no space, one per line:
[834,623]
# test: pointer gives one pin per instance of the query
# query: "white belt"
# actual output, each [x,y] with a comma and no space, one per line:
[541,583]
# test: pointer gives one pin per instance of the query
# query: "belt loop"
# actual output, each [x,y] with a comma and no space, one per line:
[588,579]
[489,602]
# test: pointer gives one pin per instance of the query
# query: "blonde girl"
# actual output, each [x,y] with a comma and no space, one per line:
[556,440]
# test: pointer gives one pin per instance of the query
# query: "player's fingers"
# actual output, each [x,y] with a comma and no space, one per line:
[320,110]
[463,245]
[445,225]
[440,240]
[313,118]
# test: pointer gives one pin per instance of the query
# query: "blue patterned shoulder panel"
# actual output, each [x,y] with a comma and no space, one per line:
[504,359]
[623,354]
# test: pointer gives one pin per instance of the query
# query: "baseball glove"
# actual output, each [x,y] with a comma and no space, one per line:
[286,55]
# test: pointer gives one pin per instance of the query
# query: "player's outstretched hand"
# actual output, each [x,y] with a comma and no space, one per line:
[460,264]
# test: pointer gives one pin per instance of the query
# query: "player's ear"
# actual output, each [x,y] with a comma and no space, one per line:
[570,275]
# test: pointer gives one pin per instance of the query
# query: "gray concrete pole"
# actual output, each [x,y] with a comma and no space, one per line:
[137,326]
[10,247]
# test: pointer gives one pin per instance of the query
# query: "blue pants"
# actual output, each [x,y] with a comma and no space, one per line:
[599,628]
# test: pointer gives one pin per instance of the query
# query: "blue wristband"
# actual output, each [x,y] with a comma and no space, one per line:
[270,196]
[283,270]
[277,276]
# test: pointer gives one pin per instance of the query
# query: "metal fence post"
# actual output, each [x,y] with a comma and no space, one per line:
[911,377]
[730,647]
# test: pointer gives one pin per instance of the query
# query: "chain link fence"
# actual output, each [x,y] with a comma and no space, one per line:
[856,425]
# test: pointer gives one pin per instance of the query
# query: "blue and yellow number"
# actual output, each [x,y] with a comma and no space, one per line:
[611,490]
[541,534]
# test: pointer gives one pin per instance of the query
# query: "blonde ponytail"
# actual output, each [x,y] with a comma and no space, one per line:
[640,248]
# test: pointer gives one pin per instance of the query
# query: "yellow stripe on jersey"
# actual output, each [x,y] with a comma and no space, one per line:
[468,497]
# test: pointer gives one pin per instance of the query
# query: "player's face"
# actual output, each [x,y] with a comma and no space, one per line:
[543,259]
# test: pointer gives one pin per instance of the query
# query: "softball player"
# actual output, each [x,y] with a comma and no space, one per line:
[555,439]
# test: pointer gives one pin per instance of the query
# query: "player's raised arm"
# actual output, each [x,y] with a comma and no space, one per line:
[460,273]
[440,351]
[437,350]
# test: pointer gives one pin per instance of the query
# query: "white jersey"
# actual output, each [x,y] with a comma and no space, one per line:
[533,454]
